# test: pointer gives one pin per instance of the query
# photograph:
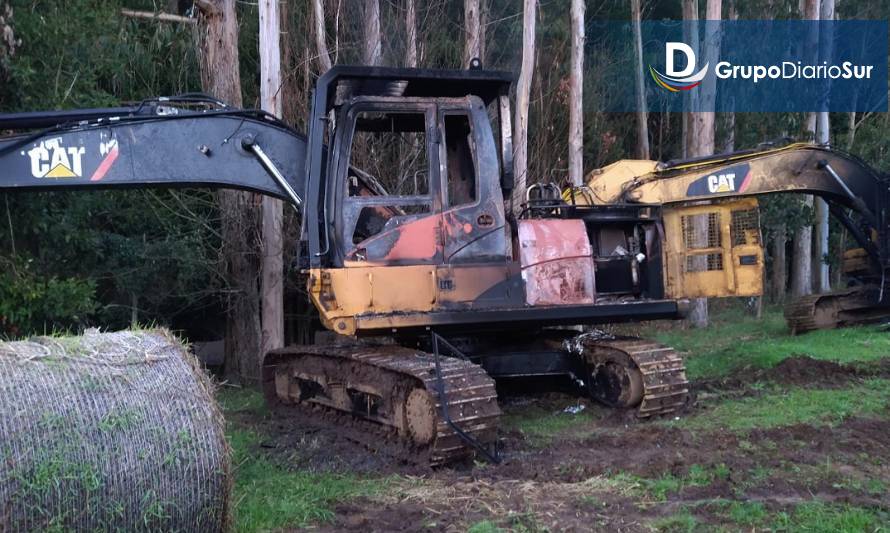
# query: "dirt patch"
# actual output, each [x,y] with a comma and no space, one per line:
[649,450]
[367,515]
[806,370]
[799,370]
[572,484]
[299,442]
[524,506]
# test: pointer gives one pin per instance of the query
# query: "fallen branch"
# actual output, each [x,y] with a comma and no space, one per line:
[164,17]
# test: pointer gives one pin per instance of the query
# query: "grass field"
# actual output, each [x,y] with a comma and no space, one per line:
[736,340]
[754,453]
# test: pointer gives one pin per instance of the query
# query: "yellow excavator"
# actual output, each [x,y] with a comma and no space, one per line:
[416,257]
[711,236]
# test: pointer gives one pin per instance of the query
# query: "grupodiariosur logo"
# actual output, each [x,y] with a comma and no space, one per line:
[678,80]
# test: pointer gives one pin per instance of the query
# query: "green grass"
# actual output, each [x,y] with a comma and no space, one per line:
[682,522]
[737,340]
[794,406]
[658,489]
[268,495]
[810,517]
[541,425]
[746,513]
[235,399]
[485,526]
[817,517]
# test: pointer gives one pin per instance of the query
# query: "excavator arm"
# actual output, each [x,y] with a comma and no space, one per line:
[187,142]
[799,168]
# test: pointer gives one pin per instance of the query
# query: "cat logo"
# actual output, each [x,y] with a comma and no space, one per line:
[721,183]
[52,160]
[734,179]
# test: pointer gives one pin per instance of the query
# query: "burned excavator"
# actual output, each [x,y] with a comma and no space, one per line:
[415,256]
[709,208]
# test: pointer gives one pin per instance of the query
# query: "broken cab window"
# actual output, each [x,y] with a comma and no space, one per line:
[460,149]
[389,155]
[376,219]
[388,177]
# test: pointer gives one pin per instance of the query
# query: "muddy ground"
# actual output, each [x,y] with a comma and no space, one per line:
[610,471]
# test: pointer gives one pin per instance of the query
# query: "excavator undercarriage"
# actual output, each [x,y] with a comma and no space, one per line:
[432,409]
[848,307]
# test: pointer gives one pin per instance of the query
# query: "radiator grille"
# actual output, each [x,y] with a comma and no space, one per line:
[745,228]
[704,262]
[701,231]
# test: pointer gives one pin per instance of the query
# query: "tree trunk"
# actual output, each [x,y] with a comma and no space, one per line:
[729,126]
[484,8]
[802,260]
[372,49]
[823,129]
[642,151]
[842,240]
[523,93]
[576,97]
[411,27]
[822,281]
[273,215]
[729,117]
[780,275]
[321,44]
[701,126]
[220,77]
[472,32]
[690,36]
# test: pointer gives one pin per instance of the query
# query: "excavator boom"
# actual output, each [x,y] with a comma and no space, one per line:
[152,145]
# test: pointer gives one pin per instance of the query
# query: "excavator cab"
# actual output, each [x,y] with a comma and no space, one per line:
[414,216]
[410,172]
[408,149]
[408,217]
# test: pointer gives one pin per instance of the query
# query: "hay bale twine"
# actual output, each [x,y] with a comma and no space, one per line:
[110,431]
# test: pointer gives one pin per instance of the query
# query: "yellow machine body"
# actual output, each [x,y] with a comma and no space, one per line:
[713,250]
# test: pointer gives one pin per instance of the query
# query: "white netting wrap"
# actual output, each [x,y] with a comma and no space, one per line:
[109,431]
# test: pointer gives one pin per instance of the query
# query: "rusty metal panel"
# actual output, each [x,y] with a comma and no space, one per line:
[557,262]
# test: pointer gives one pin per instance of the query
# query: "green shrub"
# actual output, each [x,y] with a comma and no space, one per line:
[30,304]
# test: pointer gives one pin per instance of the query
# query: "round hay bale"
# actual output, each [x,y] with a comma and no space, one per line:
[110,431]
